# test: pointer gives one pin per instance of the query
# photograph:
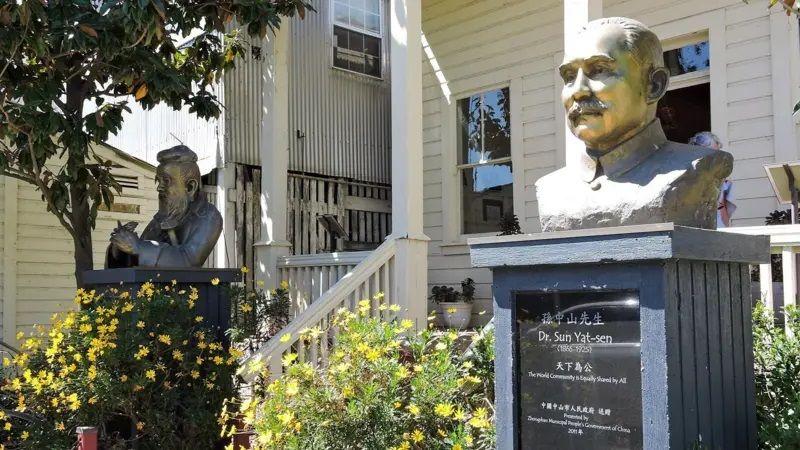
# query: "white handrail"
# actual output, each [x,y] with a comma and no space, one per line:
[323,259]
[310,276]
[372,275]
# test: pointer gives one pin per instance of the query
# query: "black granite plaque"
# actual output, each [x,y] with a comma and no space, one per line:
[579,375]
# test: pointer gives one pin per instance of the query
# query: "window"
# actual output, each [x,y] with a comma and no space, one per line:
[357,28]
[687,59]
[686,108]
[484,165]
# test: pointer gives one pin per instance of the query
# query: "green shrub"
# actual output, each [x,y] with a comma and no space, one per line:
[256,316]
[143,371]
[777,376]
[385,388]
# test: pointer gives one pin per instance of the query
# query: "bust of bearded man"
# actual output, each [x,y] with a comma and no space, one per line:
[183,231]
[629,172]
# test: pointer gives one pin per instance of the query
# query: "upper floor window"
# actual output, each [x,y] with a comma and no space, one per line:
[484,147]
[687,59]
[357,36]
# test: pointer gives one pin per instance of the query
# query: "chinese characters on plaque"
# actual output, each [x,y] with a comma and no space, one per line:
[579,373]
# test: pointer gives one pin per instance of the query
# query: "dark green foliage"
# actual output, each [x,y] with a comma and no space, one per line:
[779,217]
[444,294]
[777,375]
[256,317]
[468,290]
[509,225]
[57,56]
[448,294]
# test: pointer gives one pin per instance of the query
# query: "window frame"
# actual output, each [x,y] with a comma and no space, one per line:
[454,231]
[382,36]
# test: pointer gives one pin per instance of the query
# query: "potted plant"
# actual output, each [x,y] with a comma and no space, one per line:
[456,306]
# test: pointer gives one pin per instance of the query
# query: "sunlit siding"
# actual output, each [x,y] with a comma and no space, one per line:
[345,117]
[45,281]
[479,46]
[146,132]
[243,91]
[482,45]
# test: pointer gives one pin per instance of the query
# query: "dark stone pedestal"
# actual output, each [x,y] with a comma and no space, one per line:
[623,338]
[214,302]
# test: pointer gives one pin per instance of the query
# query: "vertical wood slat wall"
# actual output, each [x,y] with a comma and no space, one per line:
[309,197]
[245,200]
[714,341]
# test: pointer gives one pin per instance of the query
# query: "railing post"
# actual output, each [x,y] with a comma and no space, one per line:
[87,438]
[765,286]
[274,151]
[789,279]
[411,260]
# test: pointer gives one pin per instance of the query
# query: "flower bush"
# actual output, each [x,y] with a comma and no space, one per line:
[385,387]
[143,370]
[777,376]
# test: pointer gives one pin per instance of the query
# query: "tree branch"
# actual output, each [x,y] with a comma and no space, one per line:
[12,174]
[39,183]
[14,52]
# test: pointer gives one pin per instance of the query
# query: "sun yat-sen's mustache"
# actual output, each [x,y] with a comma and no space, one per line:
[587,106]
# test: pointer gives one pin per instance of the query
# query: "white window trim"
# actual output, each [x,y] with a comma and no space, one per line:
[384,49]
[689,79]
[452,203]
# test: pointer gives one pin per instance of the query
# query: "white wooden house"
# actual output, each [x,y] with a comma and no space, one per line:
[735,72]
[394,113]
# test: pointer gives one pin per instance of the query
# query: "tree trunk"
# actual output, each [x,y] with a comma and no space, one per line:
[83,232]
[79,200]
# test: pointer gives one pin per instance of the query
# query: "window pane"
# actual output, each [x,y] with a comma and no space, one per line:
[373,23]
[496,125]
[373,6]
[341,14]
[356,42]
[470,139]
[372,46]
[373,66]
[356,4]
[487,195]
[357,63]
[357,52]
[484,127]
[687,59]
[340,59]
[341,36]
[357,18]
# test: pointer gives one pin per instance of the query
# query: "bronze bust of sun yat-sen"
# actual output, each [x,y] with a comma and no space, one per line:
[629,172]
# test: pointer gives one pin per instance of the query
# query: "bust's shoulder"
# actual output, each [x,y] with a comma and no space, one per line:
[699,159]
[208,211]
[557,176]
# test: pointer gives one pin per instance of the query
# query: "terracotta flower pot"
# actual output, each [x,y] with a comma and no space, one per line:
[456,314]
